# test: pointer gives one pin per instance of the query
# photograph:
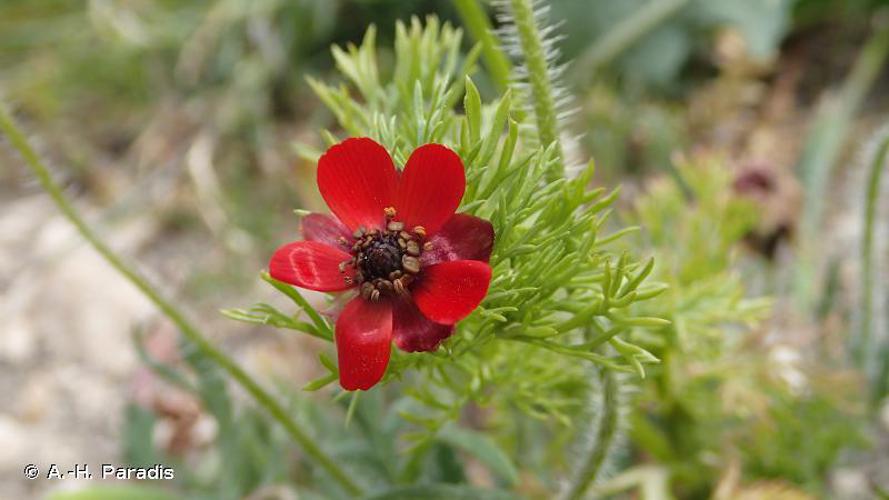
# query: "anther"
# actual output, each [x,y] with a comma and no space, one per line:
[389,212]
[394,275]
[395,226]
[358,232]
[402,243]
[410,264]
[420,231]
[343,265]
[398,285]
[367,289]
[342,241]
[427,246]
[375,295]
[412,248]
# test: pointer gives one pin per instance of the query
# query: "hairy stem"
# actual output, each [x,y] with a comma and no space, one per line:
[865,351]
[542,91]
[39,169]
[479,26]
[822,149]
[601,441]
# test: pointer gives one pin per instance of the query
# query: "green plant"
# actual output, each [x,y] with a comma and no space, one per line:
[723,394]
[560,297]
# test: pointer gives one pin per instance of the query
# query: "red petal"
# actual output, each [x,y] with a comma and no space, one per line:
[363,336]
[413,332]
[431,187]
[312,265]
[463,237]
[447,292]
[358,180]
[325,229]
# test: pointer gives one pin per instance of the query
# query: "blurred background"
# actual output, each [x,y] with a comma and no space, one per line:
[175,126]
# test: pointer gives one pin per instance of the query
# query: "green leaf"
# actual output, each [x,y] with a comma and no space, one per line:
[138,433]
[320,382]
[473,105]
[484,449]
[496,131]
[323,328]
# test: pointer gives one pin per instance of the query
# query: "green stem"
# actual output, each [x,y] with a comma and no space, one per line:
[476,21]
[866,353]
[542,95]
[602,442]
[39,169]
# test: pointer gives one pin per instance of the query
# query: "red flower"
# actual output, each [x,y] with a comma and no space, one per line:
[418,267]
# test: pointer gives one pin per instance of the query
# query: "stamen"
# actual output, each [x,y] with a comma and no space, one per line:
[410,264]
[386,261]
[413,248]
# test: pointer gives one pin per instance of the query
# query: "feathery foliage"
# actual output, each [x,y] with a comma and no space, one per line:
[559,289]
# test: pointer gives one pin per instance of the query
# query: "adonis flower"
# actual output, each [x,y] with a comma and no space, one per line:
[418,266]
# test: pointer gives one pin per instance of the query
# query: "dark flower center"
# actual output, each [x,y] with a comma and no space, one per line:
[386,261]
[381,258]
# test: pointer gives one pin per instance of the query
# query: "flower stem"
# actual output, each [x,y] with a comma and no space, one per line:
[865,352]
[542,92]
[602,442]
[479,26]
[39,169]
